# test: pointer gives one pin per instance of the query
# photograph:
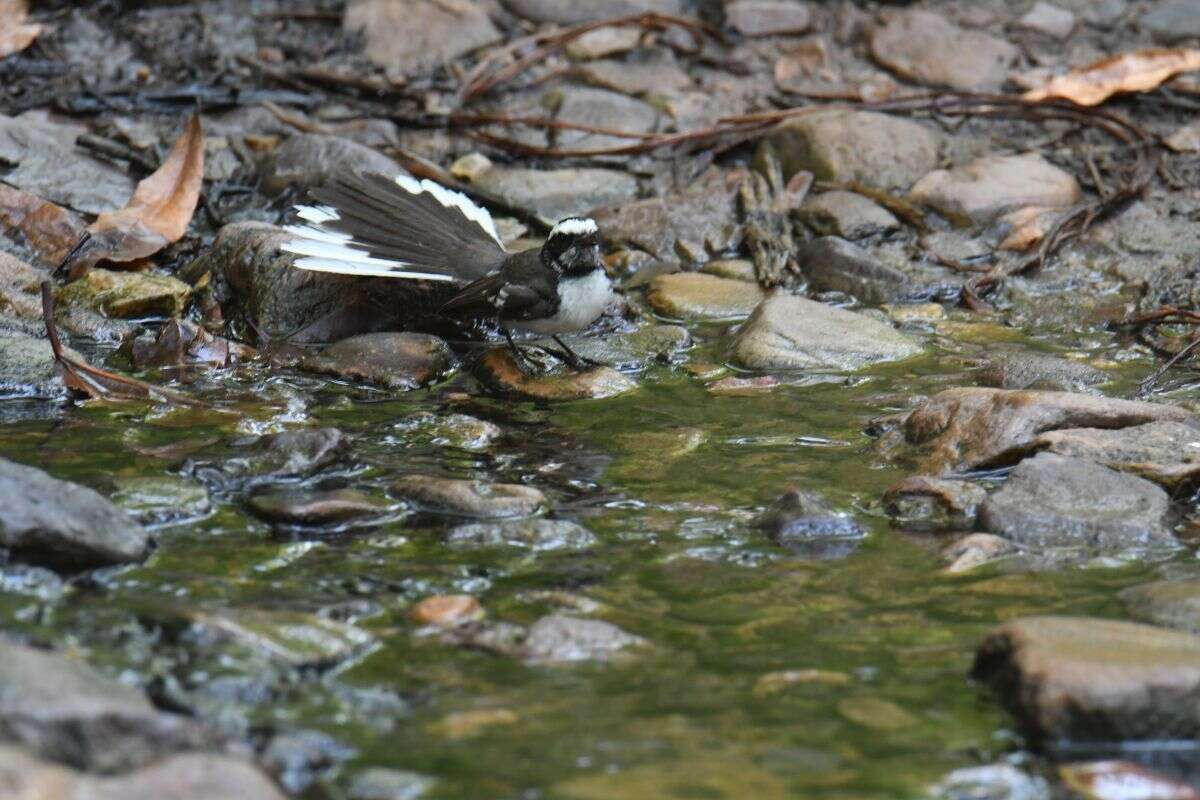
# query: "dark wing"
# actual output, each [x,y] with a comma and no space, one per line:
[516,292]
[369,224]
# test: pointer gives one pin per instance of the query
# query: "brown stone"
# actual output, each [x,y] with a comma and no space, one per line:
[499,369]
[1081,679]
[922,46]
[967,428]
[446,611]
[697,295]
[400,361]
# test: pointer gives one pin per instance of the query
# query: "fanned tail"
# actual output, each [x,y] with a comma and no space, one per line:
[374,226]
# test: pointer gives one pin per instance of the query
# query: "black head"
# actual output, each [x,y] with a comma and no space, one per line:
[573,247]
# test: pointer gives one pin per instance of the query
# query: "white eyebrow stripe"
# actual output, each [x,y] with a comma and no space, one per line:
[575,226]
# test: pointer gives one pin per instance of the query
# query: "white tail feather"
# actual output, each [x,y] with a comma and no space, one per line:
[315,264]
[451,199]
[325,250]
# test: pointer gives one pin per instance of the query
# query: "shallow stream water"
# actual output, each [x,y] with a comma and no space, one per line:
[668,478]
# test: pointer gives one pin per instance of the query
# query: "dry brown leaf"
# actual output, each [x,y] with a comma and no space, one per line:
[158,213]
[1137,71]
[49,230]
[15,32]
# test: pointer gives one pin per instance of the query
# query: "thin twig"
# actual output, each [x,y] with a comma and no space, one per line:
[1146,385]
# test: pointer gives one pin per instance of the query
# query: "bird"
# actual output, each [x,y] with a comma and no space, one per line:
[402,227]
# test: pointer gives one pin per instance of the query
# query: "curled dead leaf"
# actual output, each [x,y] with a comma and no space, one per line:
[16,32]
[1136,71]
[156,215]
[49,230]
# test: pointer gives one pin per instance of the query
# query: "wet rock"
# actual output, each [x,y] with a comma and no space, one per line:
[1049,19]
[295,757]
[400,361]
[539,535]
[469,724]
[776,682]
[187,776]
[585,106]
[1172,604]
[767,17]
[569,12]
[553,194]
[1024,370]
[49,165]
[498,370]
[1171,21]
[735,269]
[805,523]
[924,47]
[734,386]
[876,713]
[968,428]
[790,332]
[183,343]
[160,499]
[316,508]
[1088,680]
[1167,453]
[990,186]
[289,453]
[381,783]
[460,431]
[842,146]
[1051,500]
[560,639]
[846,214]
[37,582]
[630,349]
[127,294]
[66,711]
[832,264]
[310,159]
[446,611]
[990,782]
[28,367]
[291,638]
[681,226]
[696,295]
[972,552]
[255,285]
[413,36]
[1120,780]
[20,286]
[47,521]
[923,503]
[469,498]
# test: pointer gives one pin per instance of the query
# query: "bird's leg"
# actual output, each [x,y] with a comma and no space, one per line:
[522,360]
[573,359]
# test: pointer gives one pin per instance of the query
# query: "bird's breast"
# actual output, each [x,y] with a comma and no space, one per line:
[581,302]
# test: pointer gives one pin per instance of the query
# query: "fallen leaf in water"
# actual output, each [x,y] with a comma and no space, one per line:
[15,32]
[1138,71]
[49,230]
[158,213]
